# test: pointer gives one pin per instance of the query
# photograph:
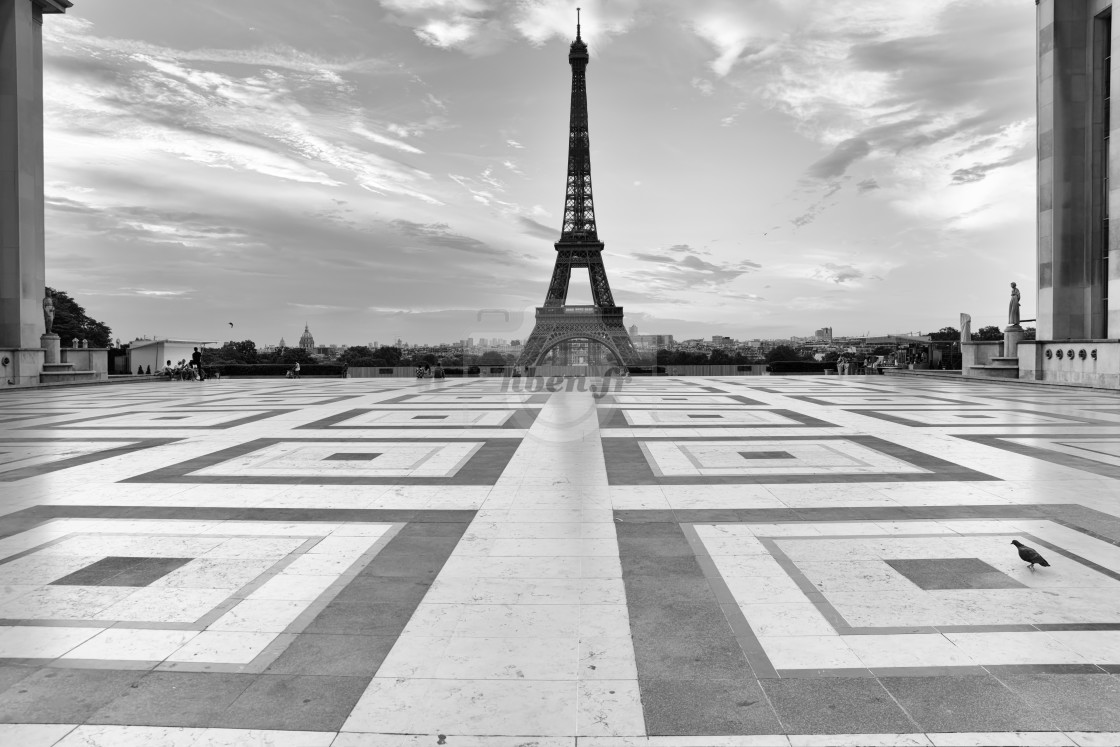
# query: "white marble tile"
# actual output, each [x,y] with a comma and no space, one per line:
[469,707]
[41,642]
[223,647]
[786,619]
[132,645]
[130,736]
[33,735]
[260,616]
[264,738]
[810,652]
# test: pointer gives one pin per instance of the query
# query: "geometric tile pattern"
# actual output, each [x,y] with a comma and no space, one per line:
[22,458]
[956,418]
[447,418]
[753,460]
[665,561]
[1097,454]
[272,461]
[160,420]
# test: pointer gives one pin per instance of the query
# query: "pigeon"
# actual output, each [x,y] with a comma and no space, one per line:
[1030,555]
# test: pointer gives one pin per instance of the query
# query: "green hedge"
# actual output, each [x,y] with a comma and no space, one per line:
[780,367]
[276,369]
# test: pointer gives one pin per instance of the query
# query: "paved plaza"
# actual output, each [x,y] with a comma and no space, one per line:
[665,561]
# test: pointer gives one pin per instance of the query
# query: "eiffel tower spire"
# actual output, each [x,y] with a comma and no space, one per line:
[578,247]
[579,206]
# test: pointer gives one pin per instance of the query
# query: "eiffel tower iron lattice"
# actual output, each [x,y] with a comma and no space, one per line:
[579,246]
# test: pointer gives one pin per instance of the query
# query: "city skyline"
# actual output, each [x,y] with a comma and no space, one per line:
[396,169]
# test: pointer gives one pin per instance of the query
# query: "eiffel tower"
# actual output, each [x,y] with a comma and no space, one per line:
[558,323]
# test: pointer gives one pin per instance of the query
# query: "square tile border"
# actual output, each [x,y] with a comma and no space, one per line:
[627,465]
[521,419]
[131,445]
[613,417]
[484,467]
[71,424]
[266,657]
[998,441]
[885,413]
[168,711]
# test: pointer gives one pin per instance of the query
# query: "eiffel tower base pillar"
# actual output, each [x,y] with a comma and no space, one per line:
[558,324]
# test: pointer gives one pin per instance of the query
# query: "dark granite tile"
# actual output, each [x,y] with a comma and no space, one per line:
[669,529]
[343,655]
[404,591]
[655,546]
[174,699]
[704,705]
[656,620]
[297,702]
[10,674]
[660,566]
[361,618]
[964,704]
[1072,702]
[433,529]
[692,657]
[63,696]
[835,705]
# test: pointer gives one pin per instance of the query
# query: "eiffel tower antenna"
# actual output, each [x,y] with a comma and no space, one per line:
[579,246]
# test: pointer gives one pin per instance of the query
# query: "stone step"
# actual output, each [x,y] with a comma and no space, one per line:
[994,372]
[58,367]
[68,376]
[1001,361]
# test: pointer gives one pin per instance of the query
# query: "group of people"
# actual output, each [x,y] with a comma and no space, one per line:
[186,370]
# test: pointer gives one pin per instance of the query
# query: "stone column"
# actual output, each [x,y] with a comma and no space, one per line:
[22,262]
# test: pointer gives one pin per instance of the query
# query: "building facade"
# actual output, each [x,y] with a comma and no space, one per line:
[1078,301]
[1078,259]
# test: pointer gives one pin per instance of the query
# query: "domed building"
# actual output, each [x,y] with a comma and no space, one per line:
[306,341]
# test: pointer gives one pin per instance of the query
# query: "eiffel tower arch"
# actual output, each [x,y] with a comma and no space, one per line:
[579,247]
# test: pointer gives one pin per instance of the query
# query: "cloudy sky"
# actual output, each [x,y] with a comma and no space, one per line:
[395,168]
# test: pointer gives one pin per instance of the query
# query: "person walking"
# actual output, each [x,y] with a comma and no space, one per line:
[196,363]
[295,370]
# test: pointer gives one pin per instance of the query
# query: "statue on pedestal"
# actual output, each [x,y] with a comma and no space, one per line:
[1013,307]
[48,311]
[966,328]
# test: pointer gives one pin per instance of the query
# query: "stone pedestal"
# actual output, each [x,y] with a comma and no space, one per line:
[1012,335]
[52,345]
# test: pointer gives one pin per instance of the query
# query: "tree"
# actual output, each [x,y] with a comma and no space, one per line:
[296,355]
[236,352]
[391,356]
[358,356]
[1029,333]
[988,333]
[719,358]
[946,334]
[72,323]
[492,358]
[782,353]
[830,357]
[883,350]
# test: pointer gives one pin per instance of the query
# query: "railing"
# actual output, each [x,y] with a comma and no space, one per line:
[579,311]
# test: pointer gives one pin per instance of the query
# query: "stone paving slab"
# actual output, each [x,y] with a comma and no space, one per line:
[665,561]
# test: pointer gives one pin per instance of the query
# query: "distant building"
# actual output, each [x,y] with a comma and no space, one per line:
[306,341]
[648,343]
[283,344]
[156,353]
[633,331]
[824,333]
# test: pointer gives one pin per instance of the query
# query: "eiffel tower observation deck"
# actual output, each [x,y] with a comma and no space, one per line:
[557,323]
